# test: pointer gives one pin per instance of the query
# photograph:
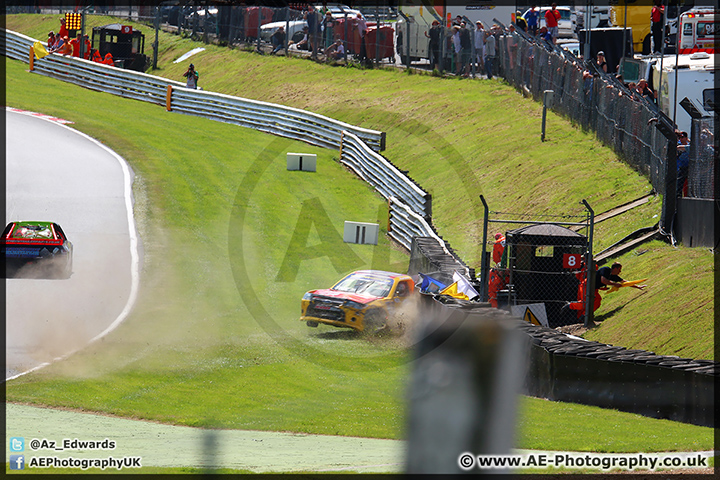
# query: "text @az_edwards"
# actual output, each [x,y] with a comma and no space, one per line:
[71,444]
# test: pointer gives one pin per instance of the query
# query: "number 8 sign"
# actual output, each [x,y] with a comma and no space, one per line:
[572,260]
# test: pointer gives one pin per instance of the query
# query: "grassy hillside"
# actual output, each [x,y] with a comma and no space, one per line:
[194,340]
[460,139]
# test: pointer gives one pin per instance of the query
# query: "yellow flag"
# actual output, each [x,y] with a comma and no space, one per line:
[452,290]
[40,50]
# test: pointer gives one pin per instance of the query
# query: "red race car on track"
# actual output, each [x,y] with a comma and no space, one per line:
[40,249]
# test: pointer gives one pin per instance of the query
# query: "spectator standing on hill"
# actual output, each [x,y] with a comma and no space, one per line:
[192,77]
[657,15]
[479,45]
[531,16]
[328,23]
[457,47]
[489,54]
[312,17]
[551,22]
[465,49]
[362,29]
[601,62]
[435,37]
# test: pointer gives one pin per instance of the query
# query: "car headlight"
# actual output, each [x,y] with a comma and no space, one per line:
[355,305]
[308,296]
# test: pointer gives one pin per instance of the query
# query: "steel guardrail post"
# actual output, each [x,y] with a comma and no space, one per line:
[590,270]
[484,267]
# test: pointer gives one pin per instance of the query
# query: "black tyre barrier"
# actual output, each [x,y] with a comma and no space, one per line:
[637,381]
[570,369]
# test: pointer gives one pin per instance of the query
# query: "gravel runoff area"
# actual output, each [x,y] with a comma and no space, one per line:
[162,445]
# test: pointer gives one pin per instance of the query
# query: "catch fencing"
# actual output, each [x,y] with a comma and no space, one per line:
[703,152]
[590,98]
[242,26]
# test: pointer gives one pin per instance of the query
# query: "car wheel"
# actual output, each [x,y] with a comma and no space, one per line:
[312,323]
[375,322]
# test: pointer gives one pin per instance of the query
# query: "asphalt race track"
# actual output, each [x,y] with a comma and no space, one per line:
[57,174]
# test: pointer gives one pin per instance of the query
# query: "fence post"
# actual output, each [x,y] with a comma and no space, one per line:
[168,98]
[667,128]
[342,141]
[484,267]
[547,100]
[32,58]
[590,272]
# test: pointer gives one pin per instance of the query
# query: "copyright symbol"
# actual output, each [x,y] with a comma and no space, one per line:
[34,443]
[466,461]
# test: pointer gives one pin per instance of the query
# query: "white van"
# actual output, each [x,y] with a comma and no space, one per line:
[599,16]
[566,24]
[693,76]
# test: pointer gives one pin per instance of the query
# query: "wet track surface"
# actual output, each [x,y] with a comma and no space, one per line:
[56,174]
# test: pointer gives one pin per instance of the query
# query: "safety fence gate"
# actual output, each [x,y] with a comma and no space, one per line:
[539,262]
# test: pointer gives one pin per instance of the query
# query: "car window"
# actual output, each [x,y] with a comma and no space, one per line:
[376,287]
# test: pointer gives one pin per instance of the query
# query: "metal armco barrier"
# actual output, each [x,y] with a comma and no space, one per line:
[383,175]
[271,118]
[92,75]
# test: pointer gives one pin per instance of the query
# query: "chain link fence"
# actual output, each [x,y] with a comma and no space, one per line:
[703,157]
[252,28]
[536,261]
[590,98]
